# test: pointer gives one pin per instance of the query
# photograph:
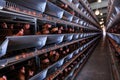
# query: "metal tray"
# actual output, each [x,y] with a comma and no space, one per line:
[40,76]
[67,16]
[75,36]
[54,39]
[68,37]
[21,42]
[3,47]
[54,10]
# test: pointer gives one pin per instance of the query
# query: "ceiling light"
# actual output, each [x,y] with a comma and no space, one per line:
[99,1]
[101,26]
[101,22]
[97,12]
[1,7]
[101,14]
[3,65]
[102,19]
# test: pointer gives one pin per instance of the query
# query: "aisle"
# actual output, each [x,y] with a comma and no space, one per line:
[98,65]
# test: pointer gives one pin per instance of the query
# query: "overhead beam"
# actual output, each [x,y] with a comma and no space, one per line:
[104,10]
[103,16]
[97,5]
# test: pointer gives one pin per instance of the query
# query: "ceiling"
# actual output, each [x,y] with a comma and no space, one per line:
[102,7]
[91,1]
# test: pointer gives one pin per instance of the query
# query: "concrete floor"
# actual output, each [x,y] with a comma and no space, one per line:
[98,65]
